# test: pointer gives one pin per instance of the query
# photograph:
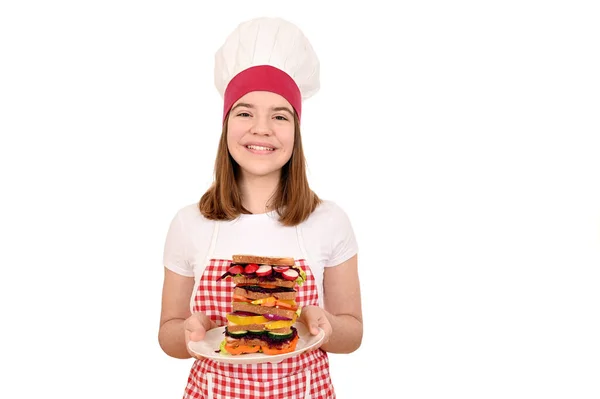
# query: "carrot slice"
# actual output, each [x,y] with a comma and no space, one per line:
[239,298]
[266,285]
[239,349]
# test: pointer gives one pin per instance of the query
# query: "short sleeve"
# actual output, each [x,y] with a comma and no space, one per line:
[175,250]
[343,241]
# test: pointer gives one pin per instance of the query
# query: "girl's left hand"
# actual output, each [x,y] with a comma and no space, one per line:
[314,317]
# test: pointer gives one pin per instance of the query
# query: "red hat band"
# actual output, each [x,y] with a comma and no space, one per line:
[262,78]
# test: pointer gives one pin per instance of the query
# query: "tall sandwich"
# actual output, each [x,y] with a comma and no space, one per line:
[264,308]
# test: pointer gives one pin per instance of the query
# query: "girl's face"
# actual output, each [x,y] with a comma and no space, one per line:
[260,134]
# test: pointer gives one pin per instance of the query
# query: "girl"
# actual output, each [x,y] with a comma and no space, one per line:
[260,203]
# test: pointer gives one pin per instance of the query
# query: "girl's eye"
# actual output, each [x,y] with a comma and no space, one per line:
[243,114]
[281,118]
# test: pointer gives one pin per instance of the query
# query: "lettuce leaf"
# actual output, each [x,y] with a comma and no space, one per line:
[301,278]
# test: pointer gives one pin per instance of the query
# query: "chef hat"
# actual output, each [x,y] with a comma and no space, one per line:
[267,54]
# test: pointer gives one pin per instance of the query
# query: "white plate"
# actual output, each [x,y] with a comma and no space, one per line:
[212,341]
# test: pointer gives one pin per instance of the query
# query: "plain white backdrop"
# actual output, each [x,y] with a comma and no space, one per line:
[460,137]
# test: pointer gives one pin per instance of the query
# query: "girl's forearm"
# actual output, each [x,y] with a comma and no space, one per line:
[171,338]
[347,332]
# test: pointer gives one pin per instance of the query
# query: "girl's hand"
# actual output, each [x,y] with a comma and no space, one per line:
[195,328]
[314,318]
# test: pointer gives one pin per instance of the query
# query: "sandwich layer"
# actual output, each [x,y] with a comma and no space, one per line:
[255,292]
[268,281]
[263,260]
[236,328]
[270,343]
[262,310]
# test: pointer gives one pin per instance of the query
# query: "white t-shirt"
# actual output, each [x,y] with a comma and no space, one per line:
[327,236]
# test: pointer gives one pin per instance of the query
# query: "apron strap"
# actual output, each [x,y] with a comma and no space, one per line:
[307,391]
[210,386]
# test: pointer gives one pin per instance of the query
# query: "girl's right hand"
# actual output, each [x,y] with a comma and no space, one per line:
[195,328]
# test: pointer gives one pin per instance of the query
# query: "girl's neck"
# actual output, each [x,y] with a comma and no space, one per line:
[257,191]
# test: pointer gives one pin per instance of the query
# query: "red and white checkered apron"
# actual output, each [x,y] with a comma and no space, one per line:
[299,377]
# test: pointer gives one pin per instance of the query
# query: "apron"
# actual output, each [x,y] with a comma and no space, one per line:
[299,377]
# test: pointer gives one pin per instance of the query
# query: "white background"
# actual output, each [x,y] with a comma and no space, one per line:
[460,137]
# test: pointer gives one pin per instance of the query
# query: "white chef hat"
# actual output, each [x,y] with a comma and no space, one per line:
[269,54]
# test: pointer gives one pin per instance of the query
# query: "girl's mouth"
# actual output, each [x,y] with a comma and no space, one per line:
[259,149]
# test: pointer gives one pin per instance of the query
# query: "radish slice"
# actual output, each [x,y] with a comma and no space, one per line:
[290,274]
[280,269]
[264,270]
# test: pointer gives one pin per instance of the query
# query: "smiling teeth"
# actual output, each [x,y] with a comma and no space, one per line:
[259,148]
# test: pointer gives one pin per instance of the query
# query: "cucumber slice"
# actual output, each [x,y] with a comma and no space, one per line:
[237,334]
[256,333]
[279,336]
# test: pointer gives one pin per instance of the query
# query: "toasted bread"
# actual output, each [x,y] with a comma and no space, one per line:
[259,295]
[248,307]
[255,327]
[246,327]
[263,260]
[240,280]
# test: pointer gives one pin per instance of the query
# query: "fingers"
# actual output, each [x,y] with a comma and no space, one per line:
[314,325]
[195,327]
[315,319]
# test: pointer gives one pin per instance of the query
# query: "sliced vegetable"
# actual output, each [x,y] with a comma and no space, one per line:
[274,325]
[290,274]
[286,304]
[237,269]
[251,268]
[280,269]
[264,270]
[267,285]
[280,336]
[269,301]
[237,334]
[239,298]
[245,320]
[239,349]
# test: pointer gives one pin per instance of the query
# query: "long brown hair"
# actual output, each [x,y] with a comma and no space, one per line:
[294,200]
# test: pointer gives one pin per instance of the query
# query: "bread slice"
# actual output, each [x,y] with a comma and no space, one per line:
[263,260]
[259,295]
[257,309]
[246,327]
[241,280]
[255,327]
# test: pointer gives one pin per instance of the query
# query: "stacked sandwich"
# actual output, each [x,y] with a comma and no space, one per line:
[264,308]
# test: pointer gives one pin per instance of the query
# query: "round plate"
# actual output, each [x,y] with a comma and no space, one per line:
[210,344]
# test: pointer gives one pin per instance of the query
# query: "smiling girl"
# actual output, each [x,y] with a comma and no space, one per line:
[261,203]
